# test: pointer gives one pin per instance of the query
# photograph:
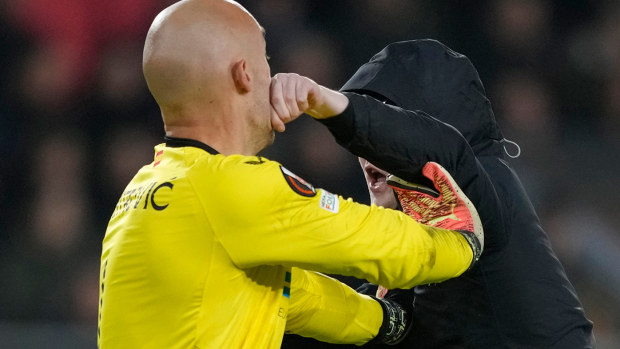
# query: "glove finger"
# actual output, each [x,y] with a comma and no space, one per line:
[401,184]
[440,178]
[455,211]
[416,200]
[381,292]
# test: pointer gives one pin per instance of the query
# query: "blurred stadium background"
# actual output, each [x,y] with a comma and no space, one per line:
[76,121]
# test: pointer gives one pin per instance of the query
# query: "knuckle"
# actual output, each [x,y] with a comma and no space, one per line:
[303,105]
[289,99]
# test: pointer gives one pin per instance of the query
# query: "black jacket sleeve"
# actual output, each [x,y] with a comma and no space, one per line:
[401,142]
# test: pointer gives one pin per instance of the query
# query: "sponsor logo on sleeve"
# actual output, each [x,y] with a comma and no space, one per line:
[298,185]
[329,201]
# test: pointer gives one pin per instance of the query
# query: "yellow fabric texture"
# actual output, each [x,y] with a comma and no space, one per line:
[328,310]
[199,250]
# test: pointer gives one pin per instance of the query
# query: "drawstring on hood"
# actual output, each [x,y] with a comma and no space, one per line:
[505,140]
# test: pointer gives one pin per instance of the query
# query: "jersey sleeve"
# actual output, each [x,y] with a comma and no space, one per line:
[326,309]
[263,214]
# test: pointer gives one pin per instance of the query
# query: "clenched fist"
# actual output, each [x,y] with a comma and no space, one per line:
[292,95]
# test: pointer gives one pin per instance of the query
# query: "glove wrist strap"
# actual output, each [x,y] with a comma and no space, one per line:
[474,243]
[394,327]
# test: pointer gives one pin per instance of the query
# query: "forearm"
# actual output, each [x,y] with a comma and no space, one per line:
[328,310]
[382,246]
[397,140]
[278,226]
[401,142]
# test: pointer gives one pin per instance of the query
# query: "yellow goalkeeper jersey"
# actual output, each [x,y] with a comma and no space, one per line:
[200,249]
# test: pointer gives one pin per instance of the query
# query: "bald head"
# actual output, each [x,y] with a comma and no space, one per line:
[189,50]
[203,59]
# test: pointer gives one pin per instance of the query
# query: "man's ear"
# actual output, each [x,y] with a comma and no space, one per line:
[241,77]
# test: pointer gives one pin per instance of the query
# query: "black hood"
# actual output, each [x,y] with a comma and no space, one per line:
[426,75]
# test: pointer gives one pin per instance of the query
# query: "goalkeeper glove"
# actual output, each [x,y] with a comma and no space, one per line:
[397,313]
[446,208]
[396,322]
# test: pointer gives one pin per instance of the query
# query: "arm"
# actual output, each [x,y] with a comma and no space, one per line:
[262,220]
[328,310]
[401,142]
[398,141]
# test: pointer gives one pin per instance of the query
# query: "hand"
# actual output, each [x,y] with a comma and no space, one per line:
[292,95]
[397,313]
[446,208]
[397,321]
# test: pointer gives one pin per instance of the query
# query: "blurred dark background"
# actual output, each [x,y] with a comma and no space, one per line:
[76,122]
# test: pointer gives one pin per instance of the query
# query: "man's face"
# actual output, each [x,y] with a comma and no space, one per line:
[380,193]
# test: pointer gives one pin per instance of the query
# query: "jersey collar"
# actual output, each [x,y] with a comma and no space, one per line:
[174,142]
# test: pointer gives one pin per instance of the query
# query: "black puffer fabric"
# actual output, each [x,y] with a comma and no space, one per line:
[518,295]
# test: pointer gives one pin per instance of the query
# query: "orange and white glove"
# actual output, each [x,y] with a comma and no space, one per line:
[445,207]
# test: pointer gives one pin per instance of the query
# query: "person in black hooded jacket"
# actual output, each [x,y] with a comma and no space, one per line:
[418,101]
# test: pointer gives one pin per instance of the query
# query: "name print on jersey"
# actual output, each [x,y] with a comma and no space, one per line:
[132,197]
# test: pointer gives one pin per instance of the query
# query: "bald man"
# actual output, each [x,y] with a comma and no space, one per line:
[211,246]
